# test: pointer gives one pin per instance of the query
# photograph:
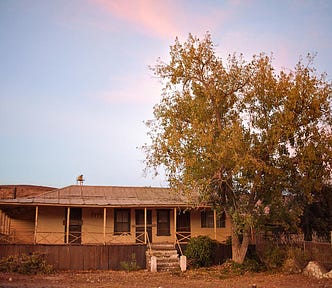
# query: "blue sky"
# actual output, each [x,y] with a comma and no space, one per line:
[75,86]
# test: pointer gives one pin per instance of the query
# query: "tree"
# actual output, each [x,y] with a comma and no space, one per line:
[317,215]
[252,142]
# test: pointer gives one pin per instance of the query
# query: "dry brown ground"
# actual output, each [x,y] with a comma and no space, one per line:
[193,279]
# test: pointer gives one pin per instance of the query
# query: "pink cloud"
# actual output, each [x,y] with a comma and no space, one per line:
[153,17]
[142,90]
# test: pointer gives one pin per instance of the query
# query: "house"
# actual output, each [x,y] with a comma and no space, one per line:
[107,215]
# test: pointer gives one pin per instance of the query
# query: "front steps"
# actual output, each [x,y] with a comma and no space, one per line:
[166,256]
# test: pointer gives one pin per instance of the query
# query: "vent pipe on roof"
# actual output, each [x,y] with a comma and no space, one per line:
[79,180]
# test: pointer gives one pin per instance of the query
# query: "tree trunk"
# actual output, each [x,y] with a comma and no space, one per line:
[239,249]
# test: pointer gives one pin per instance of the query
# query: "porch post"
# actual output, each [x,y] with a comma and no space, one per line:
[145,223]
[6,225]
[36,225]
[104,227]
[215,223]
[68,222]
[175,224]
[9,219]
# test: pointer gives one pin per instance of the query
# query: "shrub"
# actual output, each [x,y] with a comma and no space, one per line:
[130,266]
[274,256]
[26,264]
[296,260]
[199,251]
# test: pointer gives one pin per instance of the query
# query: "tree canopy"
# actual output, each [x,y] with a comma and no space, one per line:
[242,135]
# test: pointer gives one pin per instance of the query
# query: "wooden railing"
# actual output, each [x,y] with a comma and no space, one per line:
[183,237]
[56,238]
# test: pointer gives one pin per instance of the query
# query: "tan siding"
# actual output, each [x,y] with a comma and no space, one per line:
[50,229]
[21,228]
[196,230]
[162,239]
[92,228]
[22,231]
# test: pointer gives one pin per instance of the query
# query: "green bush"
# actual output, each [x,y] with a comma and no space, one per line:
[25,264]
[199,251]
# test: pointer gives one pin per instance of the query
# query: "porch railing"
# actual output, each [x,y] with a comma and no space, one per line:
[53,237]
[183,237]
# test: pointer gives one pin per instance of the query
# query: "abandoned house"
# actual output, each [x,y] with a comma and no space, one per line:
[81,215]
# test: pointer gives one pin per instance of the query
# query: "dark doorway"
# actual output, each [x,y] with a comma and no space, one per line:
[75,226]
[139,219]
[183,226]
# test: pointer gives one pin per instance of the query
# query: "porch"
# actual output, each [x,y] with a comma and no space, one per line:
[108,226]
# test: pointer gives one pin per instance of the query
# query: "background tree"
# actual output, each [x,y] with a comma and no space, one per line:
[240,136]
[317,215]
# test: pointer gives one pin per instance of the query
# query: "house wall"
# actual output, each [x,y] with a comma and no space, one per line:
[52,220]
[162,239]
[22,230]
[19,225]
[196,229]
[50,226]
[93,227]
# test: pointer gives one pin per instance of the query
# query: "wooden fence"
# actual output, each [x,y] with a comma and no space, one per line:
[311,250]
[221,252]
[81,257]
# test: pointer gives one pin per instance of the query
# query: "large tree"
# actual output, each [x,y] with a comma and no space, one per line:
[253,142]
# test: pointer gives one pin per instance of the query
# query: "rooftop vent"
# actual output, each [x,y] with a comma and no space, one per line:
[79,180]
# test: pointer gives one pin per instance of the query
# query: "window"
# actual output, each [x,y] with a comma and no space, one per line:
[163,225]
[207,219]
[121,221]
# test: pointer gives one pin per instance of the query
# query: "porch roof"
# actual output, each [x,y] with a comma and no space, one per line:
[106,196]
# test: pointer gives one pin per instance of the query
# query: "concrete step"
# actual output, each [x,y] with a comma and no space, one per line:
[167,257]
[165,253]
[168,266]
[162,246]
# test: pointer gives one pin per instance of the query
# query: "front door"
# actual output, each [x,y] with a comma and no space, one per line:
[183,226]
[139,218]
[75,226]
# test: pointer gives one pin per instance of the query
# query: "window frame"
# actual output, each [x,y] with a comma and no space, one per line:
[207,219]
[121,227]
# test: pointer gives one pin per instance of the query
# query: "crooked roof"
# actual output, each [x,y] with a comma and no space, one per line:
[106,196]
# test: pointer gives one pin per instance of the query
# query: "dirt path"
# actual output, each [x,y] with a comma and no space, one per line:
[192,279]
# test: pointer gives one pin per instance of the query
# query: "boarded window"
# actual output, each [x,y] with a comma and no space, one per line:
[121,221]
[163,223]
[207,219]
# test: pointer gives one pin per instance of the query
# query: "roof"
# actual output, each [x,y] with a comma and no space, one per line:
[13,191]
[106,196]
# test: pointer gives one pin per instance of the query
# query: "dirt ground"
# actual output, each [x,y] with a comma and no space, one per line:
[193,278]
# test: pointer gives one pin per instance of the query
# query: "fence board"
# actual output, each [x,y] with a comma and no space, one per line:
[103,259]
[80,257]
[64,257]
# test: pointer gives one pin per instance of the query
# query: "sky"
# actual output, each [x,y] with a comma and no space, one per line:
[75,83]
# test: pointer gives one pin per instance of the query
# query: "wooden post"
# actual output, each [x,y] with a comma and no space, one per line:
[215,223]
[36,225]
[104,227]
[145,223]
[68,222]
[6,225]
[9,219]
[1,222]
[175,224]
